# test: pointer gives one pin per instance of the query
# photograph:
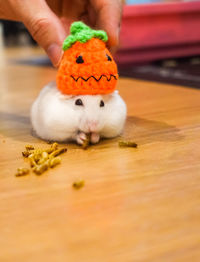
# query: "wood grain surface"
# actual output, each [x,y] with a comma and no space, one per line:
[137,204]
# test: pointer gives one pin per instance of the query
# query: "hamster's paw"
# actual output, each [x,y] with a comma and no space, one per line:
[80,138]
[95,138]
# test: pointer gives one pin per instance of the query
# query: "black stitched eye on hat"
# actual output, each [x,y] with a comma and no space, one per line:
[79,60]
[78,102]
[109,58]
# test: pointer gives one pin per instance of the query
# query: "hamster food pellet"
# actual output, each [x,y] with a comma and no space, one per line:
[127,144]
[78,184]
[22,171]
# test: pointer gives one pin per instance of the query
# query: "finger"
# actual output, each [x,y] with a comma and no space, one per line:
[56,6]
[91,16]
[8,10]
[45,27]
[73,9]
[109,17]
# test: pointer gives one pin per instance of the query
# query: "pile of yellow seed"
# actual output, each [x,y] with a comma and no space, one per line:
[41,159]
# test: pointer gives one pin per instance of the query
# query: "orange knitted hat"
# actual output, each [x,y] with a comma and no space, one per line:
[87,67]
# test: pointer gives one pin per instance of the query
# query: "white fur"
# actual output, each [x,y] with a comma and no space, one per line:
[55,116]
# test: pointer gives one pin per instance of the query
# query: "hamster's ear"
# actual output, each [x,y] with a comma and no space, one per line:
[64,97]
[116,92]
[108,97]
[113,94]
[52,84]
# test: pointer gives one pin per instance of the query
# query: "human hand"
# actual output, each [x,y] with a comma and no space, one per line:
[49,21]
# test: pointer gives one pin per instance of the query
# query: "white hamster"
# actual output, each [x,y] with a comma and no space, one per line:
[58,117]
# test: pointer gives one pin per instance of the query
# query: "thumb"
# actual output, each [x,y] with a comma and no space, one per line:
[46,28]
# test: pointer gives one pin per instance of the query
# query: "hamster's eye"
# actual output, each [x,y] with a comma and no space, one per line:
[78,102]
[79,60]
[109,58]
[102,103]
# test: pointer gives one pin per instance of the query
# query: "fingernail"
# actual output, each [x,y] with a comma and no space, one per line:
[55,52]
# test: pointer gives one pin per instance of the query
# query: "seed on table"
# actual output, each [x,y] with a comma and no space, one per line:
[22,171]
[78,184]
[38,170]
[54,161]
[29,147]
[57,152]
[127,144]
[26,153]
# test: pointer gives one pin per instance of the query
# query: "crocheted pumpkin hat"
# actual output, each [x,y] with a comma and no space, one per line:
[87,67]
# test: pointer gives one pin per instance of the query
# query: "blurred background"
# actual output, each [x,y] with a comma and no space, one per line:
[159,41]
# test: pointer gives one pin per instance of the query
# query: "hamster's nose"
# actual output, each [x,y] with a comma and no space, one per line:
[92,125]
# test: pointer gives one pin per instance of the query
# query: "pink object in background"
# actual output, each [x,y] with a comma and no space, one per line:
[159,31]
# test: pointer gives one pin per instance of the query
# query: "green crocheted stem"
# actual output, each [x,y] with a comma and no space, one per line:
[82,33]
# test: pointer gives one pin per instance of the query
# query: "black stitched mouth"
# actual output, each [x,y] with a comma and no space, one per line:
[86,79]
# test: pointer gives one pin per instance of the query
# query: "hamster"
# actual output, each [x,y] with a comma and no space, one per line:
[58,117]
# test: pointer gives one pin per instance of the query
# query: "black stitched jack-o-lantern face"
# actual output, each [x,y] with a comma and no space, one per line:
[87,69]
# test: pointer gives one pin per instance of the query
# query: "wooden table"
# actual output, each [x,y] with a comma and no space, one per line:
[137,204]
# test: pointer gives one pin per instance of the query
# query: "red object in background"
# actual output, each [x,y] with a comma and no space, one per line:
[159,31]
